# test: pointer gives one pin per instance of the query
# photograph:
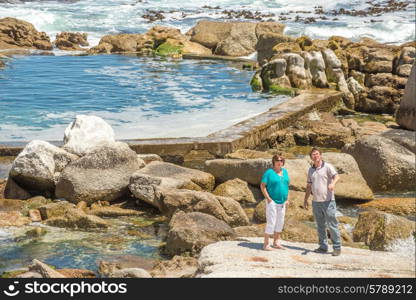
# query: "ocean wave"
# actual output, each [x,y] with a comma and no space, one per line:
[98,18]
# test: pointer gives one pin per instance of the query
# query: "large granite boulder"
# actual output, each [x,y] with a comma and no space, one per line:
[16,33]
[266,42]
[223,208]
[36,168]
[231,38]
[240,41]
[146,184]
[71,40]
[406,138]
[272,74]
[252,170]
[298,75]
[351,184]
[406,115]
[316,65]
[125,42]
[190,232]
[379,230]
[85,133]
[249,170]
[102,174]
[236,189]
[384,164]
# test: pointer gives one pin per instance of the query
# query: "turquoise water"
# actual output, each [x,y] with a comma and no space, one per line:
[64,248]
[140,97]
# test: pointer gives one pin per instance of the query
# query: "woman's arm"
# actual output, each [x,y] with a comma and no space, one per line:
[265,193]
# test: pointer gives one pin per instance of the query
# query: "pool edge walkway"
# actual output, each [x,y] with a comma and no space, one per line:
[249,133]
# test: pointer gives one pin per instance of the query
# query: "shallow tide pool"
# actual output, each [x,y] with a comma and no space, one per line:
[140,97]
[65,248]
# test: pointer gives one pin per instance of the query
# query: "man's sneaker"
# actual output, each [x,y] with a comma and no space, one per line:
[320,250]
[336,252]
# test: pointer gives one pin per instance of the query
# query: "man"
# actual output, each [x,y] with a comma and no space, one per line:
[322,178]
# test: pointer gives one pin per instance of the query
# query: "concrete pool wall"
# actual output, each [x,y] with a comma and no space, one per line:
[249,134]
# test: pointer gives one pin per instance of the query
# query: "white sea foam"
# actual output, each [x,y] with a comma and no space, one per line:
[405,247]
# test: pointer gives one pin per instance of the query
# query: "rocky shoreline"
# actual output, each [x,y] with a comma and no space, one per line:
[87,182]
[206,201]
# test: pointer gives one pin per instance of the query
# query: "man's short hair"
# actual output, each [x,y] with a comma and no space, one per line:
[313,150]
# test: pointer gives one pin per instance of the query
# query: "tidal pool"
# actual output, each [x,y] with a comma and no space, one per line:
[140,97]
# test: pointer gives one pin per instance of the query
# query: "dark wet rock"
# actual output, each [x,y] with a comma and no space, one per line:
[14,191]
[153,15]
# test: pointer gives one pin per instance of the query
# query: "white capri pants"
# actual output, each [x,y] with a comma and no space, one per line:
[275,217]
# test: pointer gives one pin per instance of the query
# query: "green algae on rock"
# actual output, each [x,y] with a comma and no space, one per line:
[167,49]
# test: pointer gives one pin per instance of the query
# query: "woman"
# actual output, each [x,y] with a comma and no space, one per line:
[275,188]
